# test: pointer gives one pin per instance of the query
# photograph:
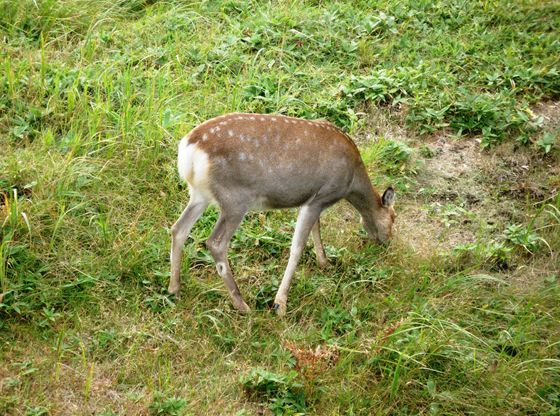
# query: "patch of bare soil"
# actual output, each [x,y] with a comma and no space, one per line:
[550,111]
[462,188]
[448,186]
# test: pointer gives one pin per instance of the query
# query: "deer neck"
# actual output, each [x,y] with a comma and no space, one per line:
[366,200]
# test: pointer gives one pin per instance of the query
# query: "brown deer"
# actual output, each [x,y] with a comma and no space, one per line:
[257,161]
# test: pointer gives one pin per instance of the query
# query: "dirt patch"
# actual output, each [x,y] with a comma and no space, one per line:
[439,217]
[550,112]
[383,122]
[463,189]
[452,170]
[78,389]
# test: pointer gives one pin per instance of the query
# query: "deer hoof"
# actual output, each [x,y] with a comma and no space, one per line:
[173,289]
[242,307]
[280,309]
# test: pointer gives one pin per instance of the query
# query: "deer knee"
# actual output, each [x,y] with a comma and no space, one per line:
[178,234]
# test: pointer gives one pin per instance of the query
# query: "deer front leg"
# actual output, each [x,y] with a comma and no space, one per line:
[179,233]
[218,244]
[319,249]
[307,217]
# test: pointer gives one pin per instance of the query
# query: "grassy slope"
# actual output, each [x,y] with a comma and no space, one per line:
[93,97]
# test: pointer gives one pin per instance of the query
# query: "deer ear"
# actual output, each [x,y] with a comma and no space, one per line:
[388,197]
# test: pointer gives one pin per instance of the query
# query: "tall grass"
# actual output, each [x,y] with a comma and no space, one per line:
[93,99]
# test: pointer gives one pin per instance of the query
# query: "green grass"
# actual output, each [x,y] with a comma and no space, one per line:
[94,96]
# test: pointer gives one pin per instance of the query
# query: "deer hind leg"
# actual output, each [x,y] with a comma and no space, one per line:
[319,249]
[307,217]
[179,233]
[218,244]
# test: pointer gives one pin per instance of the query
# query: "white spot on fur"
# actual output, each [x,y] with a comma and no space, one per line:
[242,156]
[230,133]
[221,267]
[251,118]
[205,137]
[273,119]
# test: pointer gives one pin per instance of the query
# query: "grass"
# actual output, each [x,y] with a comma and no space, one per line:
[93,99]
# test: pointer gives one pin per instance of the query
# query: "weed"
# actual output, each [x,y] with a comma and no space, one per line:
[37,411]
[523,237]
[337,322]
[167,406]
[282,393]
[546,142]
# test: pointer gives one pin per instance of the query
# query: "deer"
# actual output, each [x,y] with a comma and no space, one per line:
[246,161]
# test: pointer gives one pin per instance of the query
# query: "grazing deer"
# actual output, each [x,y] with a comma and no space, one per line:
[258,161]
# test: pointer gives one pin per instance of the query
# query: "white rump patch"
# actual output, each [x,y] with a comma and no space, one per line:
[193,166]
